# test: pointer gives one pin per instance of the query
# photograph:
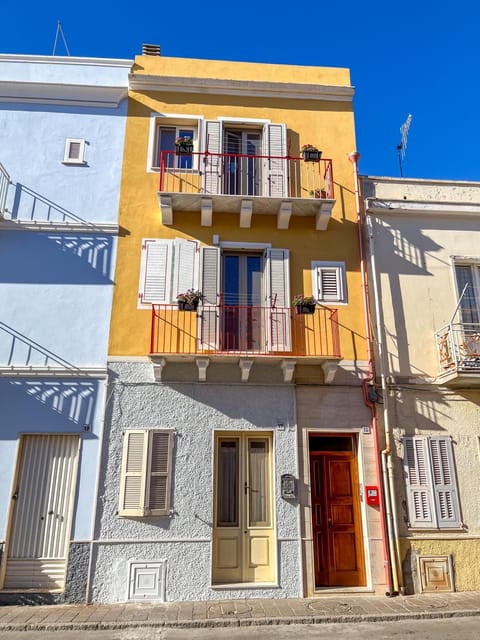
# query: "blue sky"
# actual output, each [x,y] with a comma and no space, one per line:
[405,57]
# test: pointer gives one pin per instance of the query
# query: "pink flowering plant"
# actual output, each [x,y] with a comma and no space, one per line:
[183,141]
[300,300]
[191,296]
[309,147]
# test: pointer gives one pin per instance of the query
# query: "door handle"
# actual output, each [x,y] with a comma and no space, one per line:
[50,513]
[330,522]
[246,487]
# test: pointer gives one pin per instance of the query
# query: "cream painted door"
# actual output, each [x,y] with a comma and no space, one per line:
[41,512]
[243,534]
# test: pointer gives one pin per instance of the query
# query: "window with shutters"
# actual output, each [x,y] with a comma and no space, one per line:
[468,286]
[328,282]
[145,483]
[431,485]
[74,151]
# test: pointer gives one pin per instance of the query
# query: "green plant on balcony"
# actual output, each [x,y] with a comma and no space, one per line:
[183,146]
[189,300]
[311,153]
[304,304]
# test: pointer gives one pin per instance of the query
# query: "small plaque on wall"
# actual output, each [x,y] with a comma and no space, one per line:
[288,486]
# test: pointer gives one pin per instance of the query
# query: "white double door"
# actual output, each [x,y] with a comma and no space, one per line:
[41,512]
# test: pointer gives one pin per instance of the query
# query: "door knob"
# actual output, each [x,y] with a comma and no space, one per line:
[330,522]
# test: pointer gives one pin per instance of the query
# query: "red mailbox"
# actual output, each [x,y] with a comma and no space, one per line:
[372,496]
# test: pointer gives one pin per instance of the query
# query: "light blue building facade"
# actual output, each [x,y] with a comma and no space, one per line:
[62,123]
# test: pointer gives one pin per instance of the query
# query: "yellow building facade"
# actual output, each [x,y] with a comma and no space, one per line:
[238,441]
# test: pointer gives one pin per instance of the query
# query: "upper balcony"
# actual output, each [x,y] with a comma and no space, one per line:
[282,186]
[458,349]
[243,335]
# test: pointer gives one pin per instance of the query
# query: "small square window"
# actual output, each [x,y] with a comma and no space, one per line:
[74,151]
[328,282]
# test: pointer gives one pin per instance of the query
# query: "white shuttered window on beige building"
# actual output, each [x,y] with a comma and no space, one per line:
[431,485]
[145,483]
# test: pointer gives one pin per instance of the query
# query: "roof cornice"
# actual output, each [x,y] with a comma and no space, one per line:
[67,60]
[408,207]
[290,90]
[106,97]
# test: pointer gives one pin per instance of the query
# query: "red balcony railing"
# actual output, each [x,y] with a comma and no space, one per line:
[245,330]
[245,175]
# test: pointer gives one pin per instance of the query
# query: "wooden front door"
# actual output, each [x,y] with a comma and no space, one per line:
[336,521]
[243,535]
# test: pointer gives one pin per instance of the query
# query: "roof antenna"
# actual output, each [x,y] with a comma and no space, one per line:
[402,147]
[60,31]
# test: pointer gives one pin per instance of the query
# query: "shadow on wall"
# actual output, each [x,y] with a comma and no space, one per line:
[30,205]
[17,349]
[55,258]
[46,405]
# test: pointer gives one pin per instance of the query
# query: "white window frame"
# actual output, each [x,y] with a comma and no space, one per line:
[425,488]
[339,267]
[80,157]
[143,472]
[474,264]
[180,121]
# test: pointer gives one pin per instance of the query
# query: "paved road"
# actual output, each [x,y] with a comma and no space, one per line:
[467,628]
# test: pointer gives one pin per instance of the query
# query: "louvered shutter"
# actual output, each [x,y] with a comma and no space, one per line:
[212,164]
[277,281]
[276,166]
[132,480]
[418,483]
[155,271]
[208,317]
[159,472]
[330,284]
[444,482]
[185,271]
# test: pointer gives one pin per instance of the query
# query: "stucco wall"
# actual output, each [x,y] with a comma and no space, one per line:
[341,409]
[195,411]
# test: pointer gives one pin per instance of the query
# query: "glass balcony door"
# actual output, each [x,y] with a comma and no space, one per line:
[243,328]
[242,174]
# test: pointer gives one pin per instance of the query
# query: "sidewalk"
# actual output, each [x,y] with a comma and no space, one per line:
[227,613]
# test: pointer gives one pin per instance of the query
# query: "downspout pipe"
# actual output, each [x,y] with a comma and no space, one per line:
[391,576]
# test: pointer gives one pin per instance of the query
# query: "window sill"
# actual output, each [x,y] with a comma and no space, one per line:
[245,585]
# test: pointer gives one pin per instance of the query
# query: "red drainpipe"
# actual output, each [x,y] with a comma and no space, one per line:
[354,157]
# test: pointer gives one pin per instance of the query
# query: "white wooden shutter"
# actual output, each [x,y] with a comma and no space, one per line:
[185,271]
[133,473]
[277,281]
[155,271]
[330,284]
[159,472]
[208,318]
[444,482]
[418,483]
[276,166]
[212,164]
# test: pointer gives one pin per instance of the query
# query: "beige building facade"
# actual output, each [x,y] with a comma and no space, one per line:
[423,241]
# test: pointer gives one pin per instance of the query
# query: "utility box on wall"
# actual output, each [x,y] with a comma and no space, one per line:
[372,496]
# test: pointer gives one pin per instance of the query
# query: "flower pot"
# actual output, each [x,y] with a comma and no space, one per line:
[305,309]
[311,155]
[183,149]
[187,306]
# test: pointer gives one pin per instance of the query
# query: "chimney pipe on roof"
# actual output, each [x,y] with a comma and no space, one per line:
[150,49]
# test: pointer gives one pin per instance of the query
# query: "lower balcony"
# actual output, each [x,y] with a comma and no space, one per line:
[246,185]
[458,348]
[244,335]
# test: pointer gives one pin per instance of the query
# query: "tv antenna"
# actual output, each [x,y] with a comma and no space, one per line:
[60,31]
[402,147]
